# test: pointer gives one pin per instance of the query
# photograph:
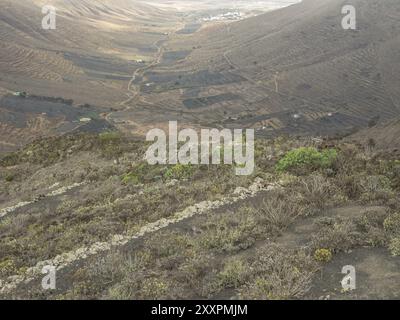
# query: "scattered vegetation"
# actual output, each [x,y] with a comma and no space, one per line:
[278,273]
[233,252]
[392,227]
[394,246]
[179,172]
[7,268]
[46,152]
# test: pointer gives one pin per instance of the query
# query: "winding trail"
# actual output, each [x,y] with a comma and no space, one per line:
[276,78]
[134,90]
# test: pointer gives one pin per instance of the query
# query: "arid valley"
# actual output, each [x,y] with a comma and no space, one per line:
[76,104]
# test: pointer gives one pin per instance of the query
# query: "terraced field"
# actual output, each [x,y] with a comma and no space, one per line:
[89,58]
[296,65]
[292,71]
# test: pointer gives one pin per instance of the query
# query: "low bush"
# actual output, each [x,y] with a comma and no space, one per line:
[394,247]
[317,192]
[234,273]
[143,173]
[339,236]
[375,188]
[279,273]
[323,255]
[9,178]
[229,234]
[277,212]
[179,172]
[392,224]
[306,159]
[7,268]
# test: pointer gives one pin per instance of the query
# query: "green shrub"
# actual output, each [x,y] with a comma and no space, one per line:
[323,255]
[303,160]
[391,169]
[7,268]
[9,178]
[154,289]
[109,136]
[394,247]
[392,224]
[142,173]
[234,273]
[131,177]
[392,227]
[179,171]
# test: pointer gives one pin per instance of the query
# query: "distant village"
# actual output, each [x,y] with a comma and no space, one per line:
[232,16]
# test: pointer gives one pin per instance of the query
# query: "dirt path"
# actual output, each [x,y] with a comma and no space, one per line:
[377,276]
[276,80]
[134,90]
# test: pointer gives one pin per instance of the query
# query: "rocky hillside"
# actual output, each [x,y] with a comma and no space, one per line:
[118,228]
